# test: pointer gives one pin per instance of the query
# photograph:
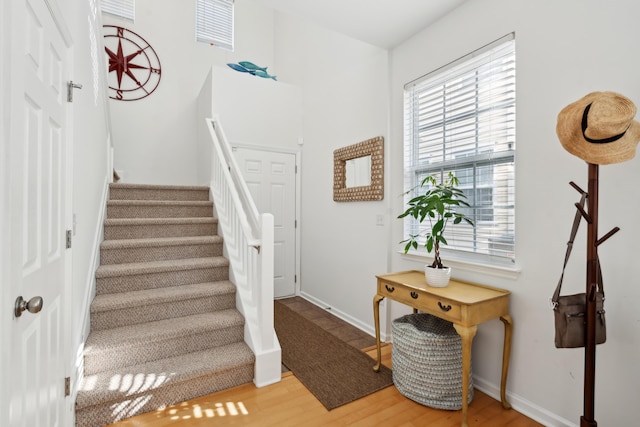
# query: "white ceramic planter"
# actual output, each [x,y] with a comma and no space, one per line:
[437,277]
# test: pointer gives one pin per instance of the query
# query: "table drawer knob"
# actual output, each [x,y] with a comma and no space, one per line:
[443,307]
[389,288]
[414,295]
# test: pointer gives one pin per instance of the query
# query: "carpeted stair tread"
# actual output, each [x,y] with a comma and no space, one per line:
[132,345]
[133,336]
[148,297]
[137,268]
[157,192]
[136,344]
[135,202]
[119,251]
[159,221]
[159,187]
[146,378]
[159,242]
[146,227]
[159,208]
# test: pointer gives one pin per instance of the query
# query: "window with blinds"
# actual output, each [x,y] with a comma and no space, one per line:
[461,119]
[214,23]
[123,8]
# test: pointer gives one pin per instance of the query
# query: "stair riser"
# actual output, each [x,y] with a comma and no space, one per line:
[140,231]
[103,361]
[162,253]
[139,282]
[158,211]
[150,313]
[100,415]
[116,193]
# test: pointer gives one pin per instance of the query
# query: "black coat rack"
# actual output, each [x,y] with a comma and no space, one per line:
[591,216]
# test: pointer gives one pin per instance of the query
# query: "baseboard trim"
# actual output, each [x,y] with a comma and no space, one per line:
[95,263]
[78,365]
[520,404]
[79,336]
[339,314]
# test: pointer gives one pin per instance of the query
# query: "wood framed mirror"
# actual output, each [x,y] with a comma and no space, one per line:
[358,171]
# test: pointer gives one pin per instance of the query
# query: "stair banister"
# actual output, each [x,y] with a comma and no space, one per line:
[248,238]
[223,149]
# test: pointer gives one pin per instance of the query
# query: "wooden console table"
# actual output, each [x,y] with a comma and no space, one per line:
[464,304]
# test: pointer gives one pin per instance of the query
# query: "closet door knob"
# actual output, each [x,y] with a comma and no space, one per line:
[34,305]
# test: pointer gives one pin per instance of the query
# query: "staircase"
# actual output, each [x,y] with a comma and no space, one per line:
[164,323]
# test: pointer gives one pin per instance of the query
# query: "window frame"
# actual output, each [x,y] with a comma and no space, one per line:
[214,23]
[502,255]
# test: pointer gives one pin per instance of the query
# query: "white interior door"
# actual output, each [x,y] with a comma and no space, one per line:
[38,152]
[271,179]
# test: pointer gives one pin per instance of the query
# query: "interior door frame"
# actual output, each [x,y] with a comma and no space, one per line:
[298,181]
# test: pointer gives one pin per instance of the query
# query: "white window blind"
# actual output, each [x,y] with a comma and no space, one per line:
[461,119]
[123,8]
[214,22]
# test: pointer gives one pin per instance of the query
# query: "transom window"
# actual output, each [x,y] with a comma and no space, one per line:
[214,23]
[122,8]
[461,119]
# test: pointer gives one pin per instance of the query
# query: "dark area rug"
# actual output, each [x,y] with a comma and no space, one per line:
[332,370]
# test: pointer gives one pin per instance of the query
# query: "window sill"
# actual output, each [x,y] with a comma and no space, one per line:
[471,263]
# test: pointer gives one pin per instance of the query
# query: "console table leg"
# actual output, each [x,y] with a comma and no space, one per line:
[466,333]
[506,354]
[376,321]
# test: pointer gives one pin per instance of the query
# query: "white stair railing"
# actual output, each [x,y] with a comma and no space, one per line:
[248,238]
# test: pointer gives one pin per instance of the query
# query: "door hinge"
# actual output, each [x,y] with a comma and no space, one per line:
[68,239]
[295,223]
[67,387]
[295,278]
[70,87]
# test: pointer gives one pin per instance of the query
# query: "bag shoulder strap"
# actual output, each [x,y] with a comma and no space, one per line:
[574,231]
[599,282]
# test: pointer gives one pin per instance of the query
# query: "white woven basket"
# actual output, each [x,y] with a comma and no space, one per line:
[426,357]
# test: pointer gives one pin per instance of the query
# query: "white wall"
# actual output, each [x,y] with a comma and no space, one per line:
[155,138]
[564,50]
[345,93]
[253,111]
[343,85]
[91,169]
[257,111]
[352,91]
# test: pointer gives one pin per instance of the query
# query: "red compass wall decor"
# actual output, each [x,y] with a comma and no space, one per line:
[134,66]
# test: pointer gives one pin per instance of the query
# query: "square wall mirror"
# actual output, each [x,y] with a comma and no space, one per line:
[358,171]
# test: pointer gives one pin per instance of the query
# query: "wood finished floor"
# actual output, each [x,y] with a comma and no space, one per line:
[289,403]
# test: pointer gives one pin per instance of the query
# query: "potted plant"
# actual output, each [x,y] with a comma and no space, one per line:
[436,203]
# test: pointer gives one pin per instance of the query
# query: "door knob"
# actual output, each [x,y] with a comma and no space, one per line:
[34,305]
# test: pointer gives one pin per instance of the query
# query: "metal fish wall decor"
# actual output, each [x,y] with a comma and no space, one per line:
[251,68]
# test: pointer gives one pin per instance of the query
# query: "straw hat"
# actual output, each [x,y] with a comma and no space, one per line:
[600,128]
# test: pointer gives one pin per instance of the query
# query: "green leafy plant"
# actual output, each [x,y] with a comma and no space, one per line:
[437,203]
